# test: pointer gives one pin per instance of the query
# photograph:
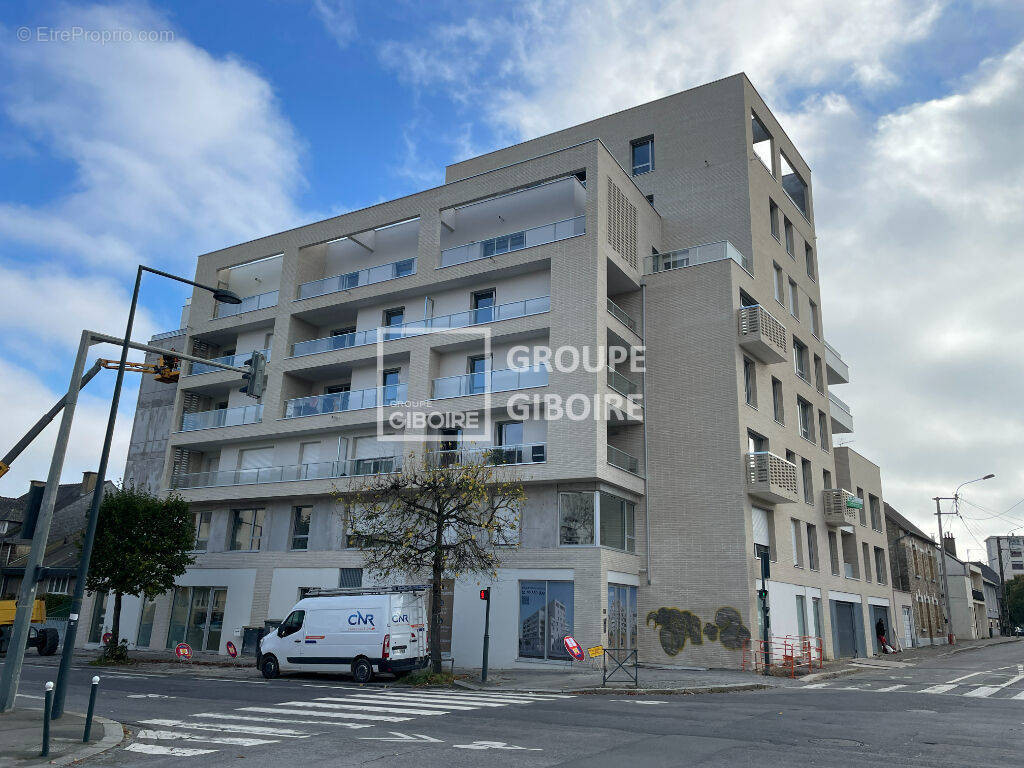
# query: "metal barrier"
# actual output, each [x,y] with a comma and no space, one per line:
[784,653]
[622,659]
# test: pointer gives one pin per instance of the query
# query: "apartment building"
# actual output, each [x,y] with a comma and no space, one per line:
[683,228]
[1005,555]
[913,558]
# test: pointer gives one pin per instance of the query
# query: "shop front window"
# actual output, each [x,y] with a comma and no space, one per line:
[545,618]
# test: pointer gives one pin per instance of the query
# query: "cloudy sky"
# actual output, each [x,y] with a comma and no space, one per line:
[246,120]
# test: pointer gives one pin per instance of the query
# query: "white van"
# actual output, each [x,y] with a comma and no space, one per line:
[350,630]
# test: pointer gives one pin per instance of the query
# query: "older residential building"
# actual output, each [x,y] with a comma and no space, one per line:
[915,571]
[991,586]
[968,612]
[684,226]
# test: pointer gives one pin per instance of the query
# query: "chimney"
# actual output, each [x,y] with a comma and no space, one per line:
[949,544]
[89,481]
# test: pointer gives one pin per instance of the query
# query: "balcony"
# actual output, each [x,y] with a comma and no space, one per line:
[504,380]
[842,417]
[515,241]
[622,460]
[509,311]
[222,417]
[236,360]
[490,455]
[698,254]
[622,384]
[771,478]
[623,317]
[324,470]
[350,280]
[762,335]
[841,507]
[168,335]
[978,595]
[837,371]
[249,304]
[338,402]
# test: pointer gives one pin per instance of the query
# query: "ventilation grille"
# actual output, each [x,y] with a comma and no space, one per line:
[181,461]
[191,402]
[621,224]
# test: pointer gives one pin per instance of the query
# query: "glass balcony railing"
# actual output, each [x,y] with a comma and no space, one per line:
[222,417]
[337,402]
[622,384]
[504,380]
[509,311]
[516,241]
[490,455]
[349,280]
[237,360]
[169,334]
[622,460]
[623,317]
[249,304]
[698,254]
[324,470]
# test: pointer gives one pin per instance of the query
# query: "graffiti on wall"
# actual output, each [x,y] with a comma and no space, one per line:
[675,627]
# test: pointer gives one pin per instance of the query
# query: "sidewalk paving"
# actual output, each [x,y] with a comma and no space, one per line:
[21,738]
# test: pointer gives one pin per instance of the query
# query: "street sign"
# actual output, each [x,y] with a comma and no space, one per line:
[597,650]
[106,638]
[573,648]
[183,651]
[232,651]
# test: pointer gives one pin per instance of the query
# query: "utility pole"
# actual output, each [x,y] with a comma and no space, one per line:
[945,578]
[1002,587]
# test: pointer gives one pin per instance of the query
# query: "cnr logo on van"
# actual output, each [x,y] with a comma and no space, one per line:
[400,618]
[358,619]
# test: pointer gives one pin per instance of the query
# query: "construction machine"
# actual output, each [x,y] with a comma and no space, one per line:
[43,639]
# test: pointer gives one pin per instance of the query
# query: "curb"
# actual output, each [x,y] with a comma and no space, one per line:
[829,675]
[726,688]
[986,645]
[113,735]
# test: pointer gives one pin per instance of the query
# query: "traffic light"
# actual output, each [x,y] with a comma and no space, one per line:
[485,594]
[255,376]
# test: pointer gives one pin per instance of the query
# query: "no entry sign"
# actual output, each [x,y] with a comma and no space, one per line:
[107,636]
[232,651]
[183,651]
[573,648]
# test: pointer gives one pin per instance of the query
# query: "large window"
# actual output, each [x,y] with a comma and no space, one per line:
[808,478]
[812,547]
[801,361]
[794,185]
[576,519]
[778,406]
[246,529]
[788,228]
[809,260]
[801,616]
[621,616]
[197,617]
[794,299]
[823,430]
[780,284]
[798,545]
[749,382]
[545,618]
[586,519]
[880,565]
[805,412]
[202,529]
[144,638]
[58,585]
[617,520]
[876,512]
[762,142]
[301,518]
[642,155]
[773,213]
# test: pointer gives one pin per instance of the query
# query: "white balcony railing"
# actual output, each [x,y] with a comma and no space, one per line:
[324,470]
[767,471]
[249,304]
[698,254]
[222,417]
[509,311]
[622,460]
[237,360]
[349,280]
[338,402]
[491,455]
[515,241]
[504,380]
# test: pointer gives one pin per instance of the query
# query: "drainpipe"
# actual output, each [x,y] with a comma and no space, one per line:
[647,474]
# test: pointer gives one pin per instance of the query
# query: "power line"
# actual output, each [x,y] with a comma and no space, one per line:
[995,514]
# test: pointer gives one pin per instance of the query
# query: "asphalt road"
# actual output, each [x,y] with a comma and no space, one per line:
[963,709]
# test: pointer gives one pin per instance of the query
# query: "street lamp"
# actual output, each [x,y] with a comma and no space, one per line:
[955,498]
[221,295]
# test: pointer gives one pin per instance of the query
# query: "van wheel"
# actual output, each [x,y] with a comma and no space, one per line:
[362,670]
[49,640]
[270,668]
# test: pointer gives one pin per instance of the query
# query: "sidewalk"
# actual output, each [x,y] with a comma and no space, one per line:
[164,662]
[21,738]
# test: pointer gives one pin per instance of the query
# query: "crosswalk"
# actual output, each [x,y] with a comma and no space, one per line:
[335,709]
[968,690]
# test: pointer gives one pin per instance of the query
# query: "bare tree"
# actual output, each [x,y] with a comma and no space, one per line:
[435,516]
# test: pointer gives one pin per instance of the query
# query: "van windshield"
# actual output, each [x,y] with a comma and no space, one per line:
[292,624]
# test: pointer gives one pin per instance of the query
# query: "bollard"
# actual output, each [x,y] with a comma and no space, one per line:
[92,706]
[46,720]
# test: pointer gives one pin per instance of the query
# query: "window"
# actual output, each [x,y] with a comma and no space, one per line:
[849,551]
[576,519]
[876,512]
[643,155]
[478,366]
[791,458]
[880,565]
[510,528]
[833,552]
[812,547]
[337,389]
[773,215]
[809,260]
[788,228]
[483,306]
[301,517]
[201,521]
[801,615]
[794,299]
[763,526]
[58,585]
[650,198]
[780,284]
[808,477]
[819,378]
[805,414]
[144,637]
[389,381]
[826,479]
[545,618]
[815,319]
[246,529]
[816,609]
[509,433]
[801,360]
[762,142]
[794,185]
[867,560]
[798,545]
[405,267]
[392,319]
[350,578]
[863,506]
[1017,566]
[750,382]
[617,516]
[343,331]
[779,409]
[823,430]
[756,443]
[292,624]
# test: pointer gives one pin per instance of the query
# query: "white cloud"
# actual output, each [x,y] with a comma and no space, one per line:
[338,18]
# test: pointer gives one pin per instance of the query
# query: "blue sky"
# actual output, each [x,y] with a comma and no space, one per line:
[255,117]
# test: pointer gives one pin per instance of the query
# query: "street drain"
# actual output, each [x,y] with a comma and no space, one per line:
[838,742]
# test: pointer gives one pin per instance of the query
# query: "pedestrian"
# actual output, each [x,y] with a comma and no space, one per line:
[880,633]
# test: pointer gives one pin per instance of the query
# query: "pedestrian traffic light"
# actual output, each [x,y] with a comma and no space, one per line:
[485,594]
[255,375]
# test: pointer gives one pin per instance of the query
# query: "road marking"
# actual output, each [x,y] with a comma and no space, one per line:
[252,729]
[938,688]
[460,701]
[396,736]
[982,691]
[149,696]
[964,677]
[314,713]
[29,696]
[497,698]
[493,745]
[1019,695]
[817,685]
[160,749]
[235,740]
[376,699]
[223,716]
[891,688]
[360,707]
[639,701]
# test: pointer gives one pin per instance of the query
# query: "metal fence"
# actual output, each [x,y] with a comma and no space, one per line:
[620,666]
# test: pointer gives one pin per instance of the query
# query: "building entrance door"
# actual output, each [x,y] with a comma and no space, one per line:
[908,628]
[846,628]
[197,617]
[621,616]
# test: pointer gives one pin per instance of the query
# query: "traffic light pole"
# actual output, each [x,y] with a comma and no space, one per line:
[487,632]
